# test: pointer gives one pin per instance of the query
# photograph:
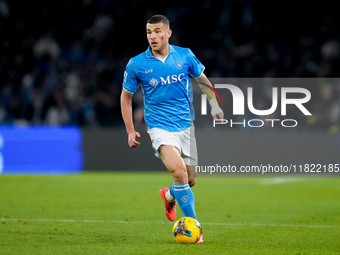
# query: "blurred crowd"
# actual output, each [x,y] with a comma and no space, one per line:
[62,62]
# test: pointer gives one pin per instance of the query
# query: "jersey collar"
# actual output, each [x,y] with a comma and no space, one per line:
[149,54]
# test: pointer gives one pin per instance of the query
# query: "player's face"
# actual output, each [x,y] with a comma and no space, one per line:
[158,36]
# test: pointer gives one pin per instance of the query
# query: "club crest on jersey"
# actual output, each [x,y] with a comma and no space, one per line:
[179,65]
[153,82]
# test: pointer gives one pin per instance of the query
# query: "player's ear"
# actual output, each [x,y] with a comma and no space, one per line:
[169,33]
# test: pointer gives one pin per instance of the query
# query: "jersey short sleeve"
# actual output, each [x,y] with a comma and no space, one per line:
[130,83]
[195,66]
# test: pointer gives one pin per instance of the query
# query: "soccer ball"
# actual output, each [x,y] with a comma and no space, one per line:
[186,230]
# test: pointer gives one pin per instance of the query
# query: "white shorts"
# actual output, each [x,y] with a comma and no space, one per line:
[184,140]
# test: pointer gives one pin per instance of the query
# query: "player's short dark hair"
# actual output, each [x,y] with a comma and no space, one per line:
[159,19]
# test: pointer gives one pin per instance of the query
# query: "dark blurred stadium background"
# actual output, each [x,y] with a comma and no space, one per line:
[62,62]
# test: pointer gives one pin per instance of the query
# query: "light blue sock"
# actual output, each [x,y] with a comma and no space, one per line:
[185,199]
[172,192]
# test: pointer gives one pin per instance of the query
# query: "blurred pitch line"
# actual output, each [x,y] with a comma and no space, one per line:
[164,222]
[274,181]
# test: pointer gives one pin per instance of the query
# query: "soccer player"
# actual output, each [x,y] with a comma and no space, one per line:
[163,71]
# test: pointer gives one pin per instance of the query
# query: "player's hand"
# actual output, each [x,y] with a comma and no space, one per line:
[133,143]
[217,112]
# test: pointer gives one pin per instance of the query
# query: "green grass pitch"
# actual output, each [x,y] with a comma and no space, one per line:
[122,213]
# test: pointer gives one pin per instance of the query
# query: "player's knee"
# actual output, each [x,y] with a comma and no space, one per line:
[183,175]
[180,176]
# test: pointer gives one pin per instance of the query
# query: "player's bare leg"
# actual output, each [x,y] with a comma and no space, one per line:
[173,161]
[191,170]
[169,155]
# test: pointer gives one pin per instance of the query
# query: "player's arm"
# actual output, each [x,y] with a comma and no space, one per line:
[126,107]
[216,111]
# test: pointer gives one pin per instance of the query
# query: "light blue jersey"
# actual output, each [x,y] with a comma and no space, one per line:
[166,87]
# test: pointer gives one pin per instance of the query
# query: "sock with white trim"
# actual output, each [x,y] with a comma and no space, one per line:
[185,199]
